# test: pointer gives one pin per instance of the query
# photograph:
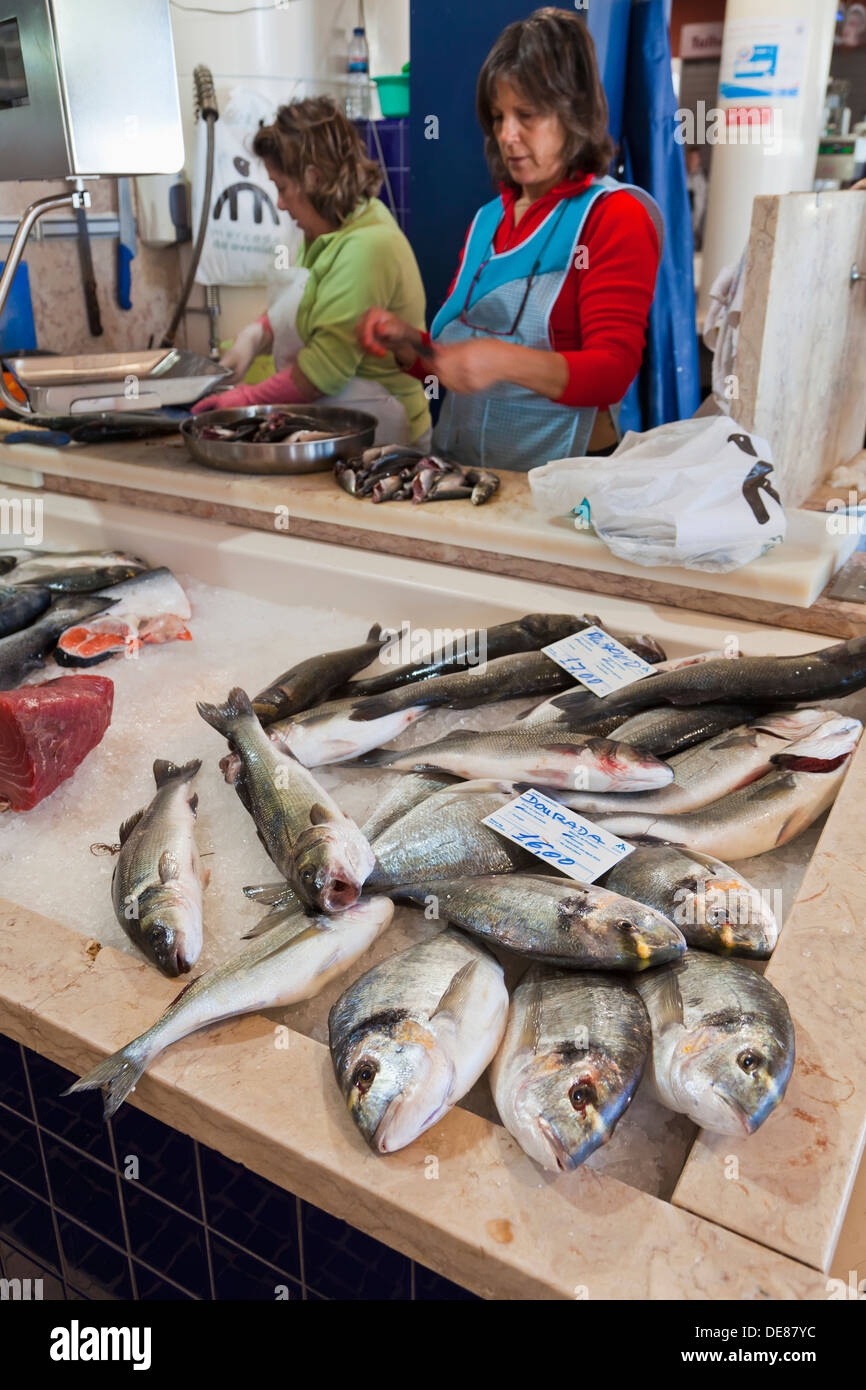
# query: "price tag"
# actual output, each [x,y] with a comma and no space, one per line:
[598,661]
[558,836]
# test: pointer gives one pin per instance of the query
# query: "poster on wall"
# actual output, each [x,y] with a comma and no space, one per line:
[763,58]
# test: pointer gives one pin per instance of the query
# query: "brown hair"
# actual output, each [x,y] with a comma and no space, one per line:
[551,58]
[315,133]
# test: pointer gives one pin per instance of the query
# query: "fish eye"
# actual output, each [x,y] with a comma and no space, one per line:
[160,934]
[364,1075]
[749,1061]
[625,926]
[306,875]
[582,1094]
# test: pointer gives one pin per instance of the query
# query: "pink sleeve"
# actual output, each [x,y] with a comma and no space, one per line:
[279,389]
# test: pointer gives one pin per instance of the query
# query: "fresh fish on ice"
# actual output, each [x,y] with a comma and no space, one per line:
[411,1036]
[723,1041]
[313,680]
[23,652]
[292,963]
[158,879]
[315,846]
[574,1051]
[19,607]
[149,608]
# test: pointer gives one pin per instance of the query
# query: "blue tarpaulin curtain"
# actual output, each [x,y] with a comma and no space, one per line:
[668,385]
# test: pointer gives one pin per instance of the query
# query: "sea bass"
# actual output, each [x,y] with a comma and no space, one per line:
[554,920]
[546,755]
[293,963]
[715,908]
[573,1054]
[763,815]
[721,765]
[158,879]
[27,566]
[313,843]
[723,1041]
[412,1035]
[25,651]
[313,680]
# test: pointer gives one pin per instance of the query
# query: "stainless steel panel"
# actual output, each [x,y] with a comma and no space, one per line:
[33,141]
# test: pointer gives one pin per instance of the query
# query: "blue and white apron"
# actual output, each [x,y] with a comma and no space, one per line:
[509,426]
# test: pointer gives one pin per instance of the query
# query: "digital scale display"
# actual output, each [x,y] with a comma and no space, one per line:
[13,79]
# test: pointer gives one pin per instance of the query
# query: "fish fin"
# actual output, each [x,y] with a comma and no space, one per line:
[164,771]
[117,1075]
[169,868]
[223,717]
[177,998]
[664,994]
[320,815]
[193,803]
[455,1000]
[530,1031]
[265,892]
[373,707]
[375,634]
[129,825]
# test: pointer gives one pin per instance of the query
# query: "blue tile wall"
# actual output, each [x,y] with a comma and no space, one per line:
[135,1210]
[388,144]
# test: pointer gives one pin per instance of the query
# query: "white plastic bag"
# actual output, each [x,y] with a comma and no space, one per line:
[248,239]
[696,493]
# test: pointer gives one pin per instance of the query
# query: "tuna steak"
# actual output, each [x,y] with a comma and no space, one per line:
[46,731]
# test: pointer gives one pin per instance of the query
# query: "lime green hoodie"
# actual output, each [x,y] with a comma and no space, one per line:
[365,262]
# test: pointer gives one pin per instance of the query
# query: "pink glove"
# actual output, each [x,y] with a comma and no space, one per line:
[279,389]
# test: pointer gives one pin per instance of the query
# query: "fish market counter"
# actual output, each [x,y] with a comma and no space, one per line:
[662,1210]
[506,536]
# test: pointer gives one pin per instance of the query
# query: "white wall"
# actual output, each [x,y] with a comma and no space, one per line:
[290,49]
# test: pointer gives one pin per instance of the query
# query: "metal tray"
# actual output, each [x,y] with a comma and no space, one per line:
[353,430]
[98,382]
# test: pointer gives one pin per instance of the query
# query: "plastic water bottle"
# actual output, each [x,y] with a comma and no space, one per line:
[358,104]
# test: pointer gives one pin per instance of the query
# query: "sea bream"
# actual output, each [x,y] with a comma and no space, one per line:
[715,908]
[545,755]
[310,682]
[411,1036]
[765,814]
[315,845]
[292,963]
[554,920]
[723,1041]
[158,879]
[152,607]
[574,1052]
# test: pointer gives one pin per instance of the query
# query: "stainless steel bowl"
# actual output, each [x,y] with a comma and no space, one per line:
[352,431]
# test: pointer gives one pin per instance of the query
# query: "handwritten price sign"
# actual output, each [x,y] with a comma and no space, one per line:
[558,836]
[598,661]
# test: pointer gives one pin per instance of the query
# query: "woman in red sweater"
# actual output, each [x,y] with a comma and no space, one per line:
[545,321]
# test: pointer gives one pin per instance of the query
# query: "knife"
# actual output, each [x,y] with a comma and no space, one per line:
[85,259]
[125,243]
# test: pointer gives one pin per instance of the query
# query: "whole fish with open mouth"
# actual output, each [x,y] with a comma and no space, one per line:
[715,908]
[404,796]
[24,651]
[711,770]
[763,815]
[19,607]
[574,1051]
[547,755]
[293,963]
[771,681]
[554,920]
[313,680]
[347,729]
[723,1041]
[411,1036]
[158,879]
[527,634]
[314,844]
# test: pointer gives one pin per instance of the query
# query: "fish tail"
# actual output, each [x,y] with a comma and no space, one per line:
[118,1074]
[164,771]
[224,717]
